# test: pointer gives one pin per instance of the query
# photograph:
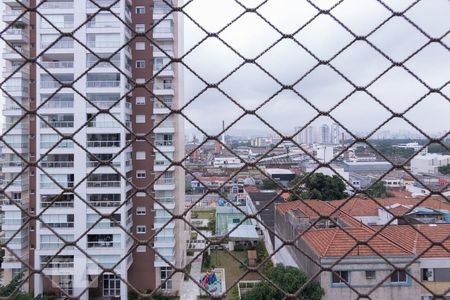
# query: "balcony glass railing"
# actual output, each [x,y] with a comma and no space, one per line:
[57,204]
[58,45]
[57,64]
[53,185]
[104,24]
[103,84]
[102,184]
[165,181]
[104,44]
[58,104]
[103,144]
[104,203]
[102,3]
[93,164]
[56,5]
[57,124]
[53,84]
[103,244]
[103,124]
[57,264]
[57,225]
[63,144]
[57,164]
[102,104]
[164,142]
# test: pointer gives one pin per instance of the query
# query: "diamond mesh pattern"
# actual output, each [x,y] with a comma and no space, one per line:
[337,55]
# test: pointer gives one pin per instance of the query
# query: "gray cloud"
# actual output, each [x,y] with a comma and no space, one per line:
[323,87]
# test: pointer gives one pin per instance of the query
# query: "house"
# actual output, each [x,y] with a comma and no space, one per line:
[336,247]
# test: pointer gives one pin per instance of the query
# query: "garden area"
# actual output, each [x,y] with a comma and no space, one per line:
[233,269]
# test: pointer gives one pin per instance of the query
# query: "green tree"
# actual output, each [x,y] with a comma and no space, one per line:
[444,169]
[318,186]
[379,190]
[268,184]
[11,290]
[290,280]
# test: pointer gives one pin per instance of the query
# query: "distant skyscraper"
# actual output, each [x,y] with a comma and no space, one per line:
[324,134]
[335,134]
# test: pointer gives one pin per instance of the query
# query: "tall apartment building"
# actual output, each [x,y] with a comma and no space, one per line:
[74,185]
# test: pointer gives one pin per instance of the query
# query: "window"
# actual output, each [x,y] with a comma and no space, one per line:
[140,10]
[398,276]
[140,45]
[140,100]
[141,249]
[140,194]
[140,174]
[140,119]
[339,277]
[140,155]
[140,80]
[140,27]
[141,211]
[140,64]
[111,285]
[370,274]
[141,229]
[165,273]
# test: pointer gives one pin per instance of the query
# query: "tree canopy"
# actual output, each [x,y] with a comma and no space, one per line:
[444,169]
[11,290]
[318,186]
[290,280]
[379,190]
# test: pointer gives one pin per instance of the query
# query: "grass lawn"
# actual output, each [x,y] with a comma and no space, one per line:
[207,214]
[221,259]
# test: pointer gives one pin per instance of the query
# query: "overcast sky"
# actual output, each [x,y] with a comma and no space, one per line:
[288,62]
[323,88]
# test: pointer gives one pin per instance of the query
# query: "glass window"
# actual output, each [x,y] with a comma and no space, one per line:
[340,277]
[398,276]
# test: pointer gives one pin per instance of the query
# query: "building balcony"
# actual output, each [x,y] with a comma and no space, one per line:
[57,124]
[103,124]
[11,16]
[53,84]
[104,203]
[163,90]
[103,184]
[15,72]
[57,64]
[114,23]
[97,4]
[20,90]
[12,166]
[162,33]
[102,144]
[161,263]
[13,54]
[103,244]
[56,5]
[61,44]
[16,128]
[164,242]
[103,84]
[53,185]
[55,264]
[12,262]
[164,184]
[62,225]
[57,164]
[94,164]
[104,44]
[51,104]
[15,3]
[165,145]
[161,165]
[167,126]
[16,35]
[57,204]
[161,109]
[164,222]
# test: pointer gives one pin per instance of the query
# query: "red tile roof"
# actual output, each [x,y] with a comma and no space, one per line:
[251,189]
[368,207]
[213,178]
[337,242]
[315,209]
